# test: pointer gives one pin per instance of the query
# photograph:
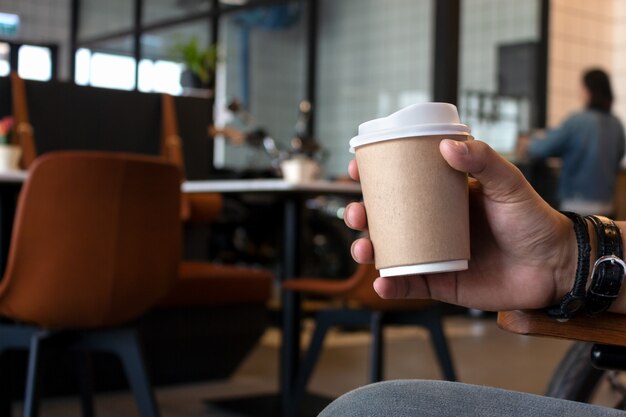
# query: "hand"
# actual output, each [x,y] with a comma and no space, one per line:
[523,252]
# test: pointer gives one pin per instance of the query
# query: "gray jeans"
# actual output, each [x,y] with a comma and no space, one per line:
[451,399]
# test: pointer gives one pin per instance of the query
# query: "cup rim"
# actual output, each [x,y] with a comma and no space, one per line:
[425,268]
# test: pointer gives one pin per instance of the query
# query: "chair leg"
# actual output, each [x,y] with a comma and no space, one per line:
[5,389]
[84,374]
[440,344]
[322,324]
[132,360]
[377,349]
[33,375]
[12,336]
[125,344]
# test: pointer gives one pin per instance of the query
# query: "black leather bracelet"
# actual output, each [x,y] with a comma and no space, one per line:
[608,271]
[574,300]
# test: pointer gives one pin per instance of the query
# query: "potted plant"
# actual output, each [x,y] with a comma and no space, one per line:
[200,63]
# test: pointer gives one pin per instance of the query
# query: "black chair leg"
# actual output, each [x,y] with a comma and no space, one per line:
[322,324]
[125,344]
[5,388]
[84,374]
[33,375]
[132,360]
[13,336]
[440,344]
[377,349]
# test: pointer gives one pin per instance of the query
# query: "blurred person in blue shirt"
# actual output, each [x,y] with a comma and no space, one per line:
[590,144]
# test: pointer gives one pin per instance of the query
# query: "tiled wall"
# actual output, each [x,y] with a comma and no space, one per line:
[374,58]
[584,34]
[277,77]
[43,21]
[99,17]
[485,25]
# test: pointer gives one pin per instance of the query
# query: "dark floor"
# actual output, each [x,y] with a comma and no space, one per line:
[483,355]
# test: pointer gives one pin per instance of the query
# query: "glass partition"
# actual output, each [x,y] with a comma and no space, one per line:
[263,65]
[108,64]
[497,71]
[34,62]
[159,10]
[374,58]
[103,17]
[162,54]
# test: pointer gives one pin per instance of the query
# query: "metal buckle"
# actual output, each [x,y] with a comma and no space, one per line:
[608,258]
[604,259]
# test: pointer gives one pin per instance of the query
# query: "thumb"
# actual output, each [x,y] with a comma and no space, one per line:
[500,179]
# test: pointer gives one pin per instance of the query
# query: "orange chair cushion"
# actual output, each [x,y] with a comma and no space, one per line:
[201,207]
[205,283]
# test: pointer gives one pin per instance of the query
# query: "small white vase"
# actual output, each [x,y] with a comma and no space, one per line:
[10,157]
[300,170]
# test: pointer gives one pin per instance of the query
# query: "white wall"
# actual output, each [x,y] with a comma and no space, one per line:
[45,22]
[619,57]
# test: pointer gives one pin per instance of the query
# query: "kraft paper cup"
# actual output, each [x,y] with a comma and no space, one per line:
[417,205]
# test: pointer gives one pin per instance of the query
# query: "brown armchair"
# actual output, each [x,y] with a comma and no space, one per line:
[195,207]
[95,243]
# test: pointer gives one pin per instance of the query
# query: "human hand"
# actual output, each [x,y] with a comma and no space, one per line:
[523,252]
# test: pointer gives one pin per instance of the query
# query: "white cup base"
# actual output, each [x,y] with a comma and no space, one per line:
[429,268]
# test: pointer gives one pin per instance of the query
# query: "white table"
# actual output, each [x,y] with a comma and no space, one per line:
[236,186]
[13,176]
[270,185]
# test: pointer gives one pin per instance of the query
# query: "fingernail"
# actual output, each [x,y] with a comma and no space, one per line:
[352,250]
[457,146]
[346,215]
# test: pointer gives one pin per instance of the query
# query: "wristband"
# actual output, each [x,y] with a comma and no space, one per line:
[574,300]
[608,271]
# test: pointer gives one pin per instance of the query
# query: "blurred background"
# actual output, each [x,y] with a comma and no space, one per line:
[517,64]
[260,81]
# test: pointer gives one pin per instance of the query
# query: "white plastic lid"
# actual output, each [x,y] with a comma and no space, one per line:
[424,119]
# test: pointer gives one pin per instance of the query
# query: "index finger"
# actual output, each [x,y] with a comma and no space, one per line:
[353,170]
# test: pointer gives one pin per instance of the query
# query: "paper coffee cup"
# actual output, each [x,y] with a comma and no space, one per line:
[417,205]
